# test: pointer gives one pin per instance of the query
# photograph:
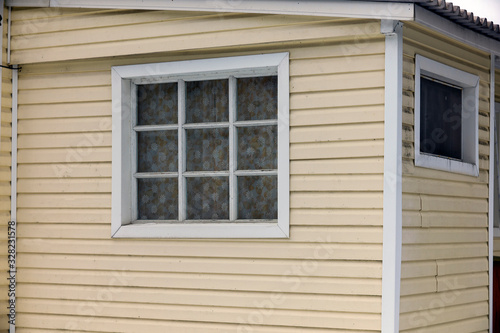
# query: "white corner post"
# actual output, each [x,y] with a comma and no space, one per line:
[492,180]
[393,215]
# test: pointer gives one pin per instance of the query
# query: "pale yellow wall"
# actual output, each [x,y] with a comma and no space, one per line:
[444,286]
[496,243]
[325,278]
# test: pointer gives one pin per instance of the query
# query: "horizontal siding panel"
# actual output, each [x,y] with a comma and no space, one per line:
[287,284]
[203,314]
[343,81]
[479,325]
[341,115]
[371,44]
[336,200]
[448,188]
[342,183]
[65,215]
[200,248]
[416,269]
[449,314]
[324,150]
[59,200]
[462,281]
[64,110]
[339,64]
[444,235]
[69,155]
[334,217]
[246,266]
[210,23]
[341,166]
[461,266]
[65,95]
[410,169]
[337,133]
[64,170]
[417,286]
[446,204]
[58,80]
[336,99]
[208,40]
[82,141]
[64,185]
[64,125]
[443,251]
[433,301]
[332,303]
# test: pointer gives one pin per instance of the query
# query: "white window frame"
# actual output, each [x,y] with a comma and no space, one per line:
[469,83]
[124,81]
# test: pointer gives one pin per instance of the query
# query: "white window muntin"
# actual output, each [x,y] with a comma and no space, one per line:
[124,202]
[469,83]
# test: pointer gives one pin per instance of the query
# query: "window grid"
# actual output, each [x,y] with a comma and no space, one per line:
[182,174]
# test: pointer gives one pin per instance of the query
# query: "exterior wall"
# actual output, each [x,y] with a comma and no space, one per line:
[71,274]
[5,148]
[444,285]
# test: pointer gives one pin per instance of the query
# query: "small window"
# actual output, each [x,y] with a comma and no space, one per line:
[201,148]
[446,115]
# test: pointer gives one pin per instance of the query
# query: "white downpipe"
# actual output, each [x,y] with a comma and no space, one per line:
[492,180]
[392,223]
[13,189]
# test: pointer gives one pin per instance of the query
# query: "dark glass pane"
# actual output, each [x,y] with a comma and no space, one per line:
[157,104]
[258,197]
[207,101]
[157,151]
[440,119]
[207,198]
[257,148]
[207,149]
[257,98]
[157,199]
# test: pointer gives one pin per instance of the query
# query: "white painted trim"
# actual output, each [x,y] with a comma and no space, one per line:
[455,31]
[470,133]
[491,198]
[340,8]
[13,179]
[392,227]
[125,78]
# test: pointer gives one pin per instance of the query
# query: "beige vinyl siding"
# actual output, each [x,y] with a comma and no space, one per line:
[325,278]
[5,149]
[444,284]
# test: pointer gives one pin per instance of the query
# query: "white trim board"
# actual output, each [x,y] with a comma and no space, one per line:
[393,211]
[343,8]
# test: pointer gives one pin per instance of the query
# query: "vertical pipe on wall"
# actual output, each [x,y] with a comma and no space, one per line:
[13,186]
[491,181]
[392,216]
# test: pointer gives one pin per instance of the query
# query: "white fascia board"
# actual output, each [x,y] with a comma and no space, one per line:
[393,211]
[343,8]
[455,31]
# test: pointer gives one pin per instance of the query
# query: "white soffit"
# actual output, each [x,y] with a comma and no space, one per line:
[342,8]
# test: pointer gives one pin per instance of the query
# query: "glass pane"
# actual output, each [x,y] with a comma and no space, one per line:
[258,197]
[207,149]
[258,98]
[207,101]
[257,148]
[157,104]
[157,151]
[157,199]
[207,198]
[440,119]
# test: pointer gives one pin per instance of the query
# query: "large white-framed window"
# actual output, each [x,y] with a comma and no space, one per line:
[446,117]
[201,148]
